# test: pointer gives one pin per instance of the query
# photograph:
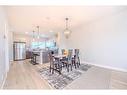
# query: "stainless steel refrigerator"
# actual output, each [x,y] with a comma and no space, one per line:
[19,51]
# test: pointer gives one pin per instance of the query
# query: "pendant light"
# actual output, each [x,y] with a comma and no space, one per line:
[33,36]
[38,35]
[67,32]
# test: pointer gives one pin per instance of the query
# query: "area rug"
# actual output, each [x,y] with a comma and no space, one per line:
[60,81]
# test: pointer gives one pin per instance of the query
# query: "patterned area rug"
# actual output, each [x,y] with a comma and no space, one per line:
[60,81]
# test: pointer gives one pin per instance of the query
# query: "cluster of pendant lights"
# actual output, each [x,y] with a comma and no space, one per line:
[37,35]
[66,32]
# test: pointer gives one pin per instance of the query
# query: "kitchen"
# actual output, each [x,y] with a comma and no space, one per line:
[26,44]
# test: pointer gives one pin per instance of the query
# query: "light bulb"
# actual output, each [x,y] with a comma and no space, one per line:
[67,31]
[38,37]
[33,39]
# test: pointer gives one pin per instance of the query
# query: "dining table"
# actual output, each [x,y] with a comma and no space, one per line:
[58,59]
[60,56]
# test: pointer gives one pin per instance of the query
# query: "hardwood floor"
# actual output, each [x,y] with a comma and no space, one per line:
[100,78]
[23,75]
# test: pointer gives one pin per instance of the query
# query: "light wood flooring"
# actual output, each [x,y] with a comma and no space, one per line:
[23,75]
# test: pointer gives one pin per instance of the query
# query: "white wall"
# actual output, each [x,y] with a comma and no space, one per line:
[4,55]
[103,41]
[10,45]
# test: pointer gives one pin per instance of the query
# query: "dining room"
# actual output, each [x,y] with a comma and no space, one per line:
[65,47]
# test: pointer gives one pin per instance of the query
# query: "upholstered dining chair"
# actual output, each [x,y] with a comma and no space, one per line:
[68,60]
[76,60]
[55,64]
[63,51]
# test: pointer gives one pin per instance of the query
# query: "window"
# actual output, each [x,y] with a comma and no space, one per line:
[42,45]
[50,44]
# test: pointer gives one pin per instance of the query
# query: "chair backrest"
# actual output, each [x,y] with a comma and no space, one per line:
[76,57]
[50,57]
[70,51]
[77,52]
[63,51]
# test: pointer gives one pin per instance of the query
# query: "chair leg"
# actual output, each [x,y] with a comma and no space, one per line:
[60,69]
[75,65]
[50,69]
[68,68]
[53,69]
[79,61]
[71,67]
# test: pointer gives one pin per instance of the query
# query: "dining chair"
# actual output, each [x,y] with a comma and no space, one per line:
[55,64]
[76,60]
[68,60]
[63,51]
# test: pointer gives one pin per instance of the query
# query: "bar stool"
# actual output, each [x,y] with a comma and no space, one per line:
[34,58]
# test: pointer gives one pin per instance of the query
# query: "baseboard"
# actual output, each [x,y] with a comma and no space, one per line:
[4,80]
[104,66]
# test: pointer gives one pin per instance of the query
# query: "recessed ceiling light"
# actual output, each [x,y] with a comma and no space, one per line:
[26,32]
[50,31]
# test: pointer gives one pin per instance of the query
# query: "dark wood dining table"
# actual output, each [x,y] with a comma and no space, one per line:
[60,56]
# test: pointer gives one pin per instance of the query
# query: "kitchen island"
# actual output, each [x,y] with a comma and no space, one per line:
[42,56]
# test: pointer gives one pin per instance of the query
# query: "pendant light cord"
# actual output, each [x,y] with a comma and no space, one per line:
[38,30]
[66,23]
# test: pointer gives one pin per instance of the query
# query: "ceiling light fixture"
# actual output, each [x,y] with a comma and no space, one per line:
[33,36]
[51,31]
[67,32]
[38,32]
[26,32]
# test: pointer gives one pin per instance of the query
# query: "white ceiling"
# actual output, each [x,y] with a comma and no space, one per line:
[25,18]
